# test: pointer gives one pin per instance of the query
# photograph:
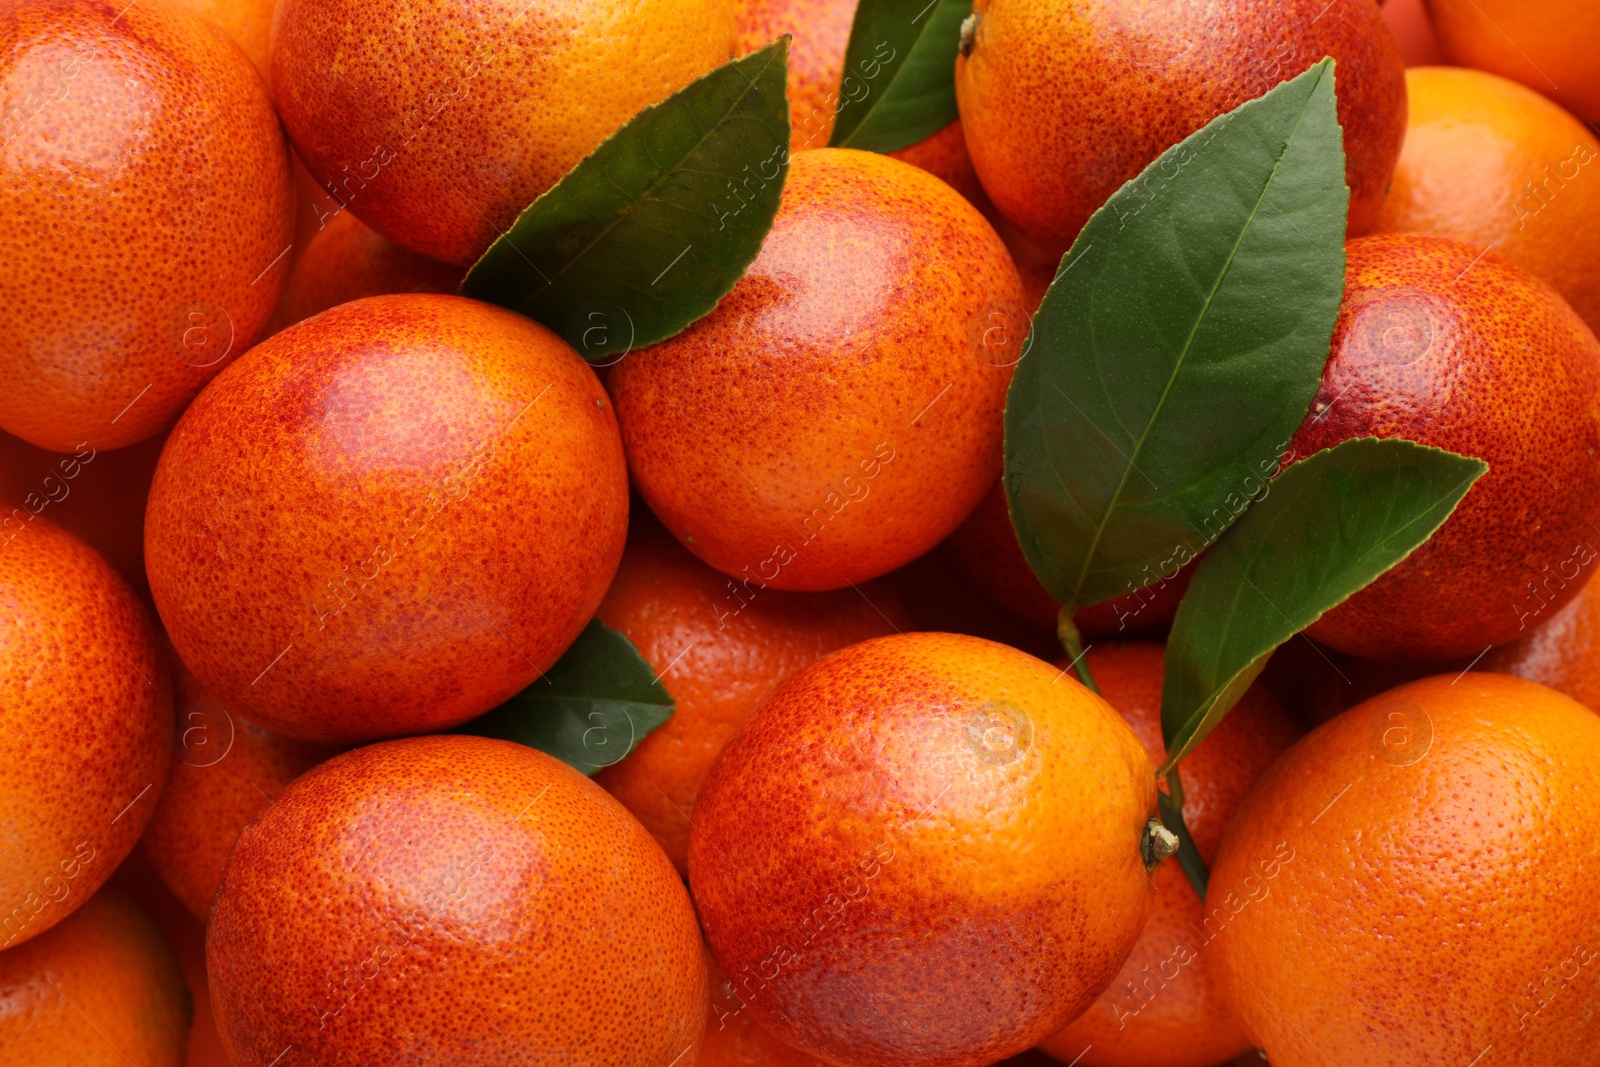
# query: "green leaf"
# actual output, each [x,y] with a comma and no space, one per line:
[657,224]
[1180,346]
[590,710]
[1331,524]
[899,83]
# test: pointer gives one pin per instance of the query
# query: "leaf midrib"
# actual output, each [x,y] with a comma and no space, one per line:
[1188,345]
[889,85]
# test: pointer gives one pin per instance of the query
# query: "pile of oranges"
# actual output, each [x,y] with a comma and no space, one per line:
[282,516]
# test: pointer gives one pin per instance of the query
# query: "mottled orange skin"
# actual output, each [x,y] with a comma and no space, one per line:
[103,989]
[85,726]
[1549,46]
[923,849]
[454,900]
[944,155]
[1430,325]
[1063,102]
[1562,652]
[347,260]
[248,22]
[984,550]
[145,188]
[96,496]
[422,498]
[719,648]
[1489,162]
[734,1038]
[225,769]
[439,126]
[1407,883]
[840,411]
[1164,1008]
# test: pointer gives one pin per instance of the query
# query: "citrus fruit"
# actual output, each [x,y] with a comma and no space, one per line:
[1430,324]
[1548,47]
[923,849]
[146,193]
[1444,818]
[451,900]
[85,726]
[102,989]
[1164,1008]
[441,126]
[1562,651]
[838,413]
[1494,164]
[734,1038]
[719,646]
[985,551]
[248,22]
[347,260]
[433,502]
[1063,103]
[225,769]
[96,496]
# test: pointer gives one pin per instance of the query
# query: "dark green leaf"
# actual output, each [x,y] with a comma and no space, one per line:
[1331,524]
[1180,346]
[590,710]
[899,83]
[653,228]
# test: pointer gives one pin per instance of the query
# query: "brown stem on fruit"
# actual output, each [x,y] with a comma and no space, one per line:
[969,33]
[1072,641]
[1157,843]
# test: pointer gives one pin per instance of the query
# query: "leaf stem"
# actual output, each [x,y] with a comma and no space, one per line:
[1171,804]
[1072,641]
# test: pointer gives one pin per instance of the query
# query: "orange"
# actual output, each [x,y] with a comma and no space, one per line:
[923,849]
[839,412]
[441,126]
[452,900]
[984,550]
[1493,164]
[96,496]
[1164,1008]
[1546,46]
[734,1038]
[719,647]
[85,726]
[148,207]
[347,260]
[103,989]
[387,519]
[225,771]
[1562,651]
[820,32]
[248,22]
[1413,884]
[1064,102]
[1432,325]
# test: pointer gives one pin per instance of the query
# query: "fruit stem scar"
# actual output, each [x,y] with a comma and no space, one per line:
[1157,843]
[969,33]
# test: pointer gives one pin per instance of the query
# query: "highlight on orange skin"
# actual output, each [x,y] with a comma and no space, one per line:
[102,989]
[1431,324]
[443,126]
[719,647]
[839,412]
[224,771]
[86,710]
[138,256]
[1165,1008]
[923,849]
[1494,164]
[435,504]
[347,260]
[1063,103]
[455,897]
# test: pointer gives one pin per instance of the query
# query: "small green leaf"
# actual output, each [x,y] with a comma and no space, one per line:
[1331,524]
[590,710]
[657,224]
[899,83]
[1180,346]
